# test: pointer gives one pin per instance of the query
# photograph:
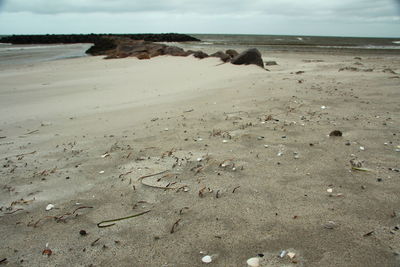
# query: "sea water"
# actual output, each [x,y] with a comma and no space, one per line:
[210,43]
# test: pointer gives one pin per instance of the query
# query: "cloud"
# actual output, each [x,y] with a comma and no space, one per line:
[316,17]
[361,8]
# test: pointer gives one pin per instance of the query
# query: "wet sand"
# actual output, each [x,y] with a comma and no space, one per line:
[247,165]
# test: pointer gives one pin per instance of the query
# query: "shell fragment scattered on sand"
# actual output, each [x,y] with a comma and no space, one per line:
[50,207]
[206,259]
[253,262]
[291,255]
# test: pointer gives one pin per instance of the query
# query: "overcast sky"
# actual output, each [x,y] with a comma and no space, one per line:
[375,18]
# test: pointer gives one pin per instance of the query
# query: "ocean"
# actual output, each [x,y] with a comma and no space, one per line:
[210,43]
[286,43]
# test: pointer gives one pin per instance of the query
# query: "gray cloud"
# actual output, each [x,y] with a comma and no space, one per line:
[318,17]
[338,8]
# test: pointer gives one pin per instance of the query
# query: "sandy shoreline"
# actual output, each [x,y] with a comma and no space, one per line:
[248,149]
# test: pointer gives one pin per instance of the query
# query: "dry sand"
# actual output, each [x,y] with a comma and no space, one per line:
[248,148]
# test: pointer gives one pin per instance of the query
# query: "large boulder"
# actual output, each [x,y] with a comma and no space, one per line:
[232,53]
[174,51]
[224,57]
[199,54]
[250,56]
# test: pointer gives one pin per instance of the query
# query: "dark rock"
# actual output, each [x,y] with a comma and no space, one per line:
[270,63]
[175,51]
[200,54]
[336,133]
[143,55]
[232,53]
[250,56]
[224,57]
[103,43]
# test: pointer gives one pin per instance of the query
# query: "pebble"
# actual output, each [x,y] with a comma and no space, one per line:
[50,207]
[330,225]
[206,259]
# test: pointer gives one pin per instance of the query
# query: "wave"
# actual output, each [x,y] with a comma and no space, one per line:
[24,47]
[396,42]
[361,47]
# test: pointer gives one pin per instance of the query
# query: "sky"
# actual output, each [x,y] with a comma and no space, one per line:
[369,18]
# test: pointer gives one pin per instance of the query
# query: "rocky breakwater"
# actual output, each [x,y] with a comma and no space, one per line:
[145,50]
[141,46]
[102,43]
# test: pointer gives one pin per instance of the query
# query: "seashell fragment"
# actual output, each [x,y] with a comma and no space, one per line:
[253,262]
[206,259]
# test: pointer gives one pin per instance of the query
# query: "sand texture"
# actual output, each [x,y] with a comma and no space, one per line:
[246,162]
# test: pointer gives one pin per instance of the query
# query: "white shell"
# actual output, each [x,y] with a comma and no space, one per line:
[206,259]
[362,148]
[101,172]
[50,207]
[291,255]
[329,190]
[253,262]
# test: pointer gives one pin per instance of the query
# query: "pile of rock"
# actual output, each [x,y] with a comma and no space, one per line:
[145,50]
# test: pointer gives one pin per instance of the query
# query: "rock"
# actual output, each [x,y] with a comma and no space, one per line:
[250,56]
[174,51]
[224,57]
[389,71]
[232,53]
[270,63]
[200,54]
[143,55]
[336,133]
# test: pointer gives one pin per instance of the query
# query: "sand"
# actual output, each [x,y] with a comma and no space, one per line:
[244,152]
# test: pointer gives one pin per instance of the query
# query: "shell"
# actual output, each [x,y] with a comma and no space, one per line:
[206,259]
[253,262]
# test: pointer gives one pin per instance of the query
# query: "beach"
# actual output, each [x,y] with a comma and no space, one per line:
[228,161]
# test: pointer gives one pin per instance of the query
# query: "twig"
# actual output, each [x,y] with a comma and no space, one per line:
[119,219]
[20,155]
[156,186]
[3,260]
[94,242]
[83,207]
[201,192]
[368,234]
[174,226]
[150,175]
[360,169]
[37,222]
[182,209]
[12,212]
[123,174]
[34,131]
[234,189]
